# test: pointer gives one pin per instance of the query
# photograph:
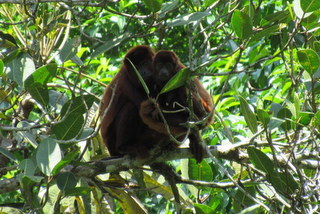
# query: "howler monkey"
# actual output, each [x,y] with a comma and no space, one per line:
[165,65]
[122,129]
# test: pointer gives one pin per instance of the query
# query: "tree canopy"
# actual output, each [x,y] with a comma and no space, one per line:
[259,59]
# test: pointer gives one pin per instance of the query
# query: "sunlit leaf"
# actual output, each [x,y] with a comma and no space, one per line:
[178,80]
[187,19]
[260,160]
[69,127]
[249,116]
[66,180]
[201,171]
[309,60]
[153,5]
[241,24]
[48,155]
[309,5]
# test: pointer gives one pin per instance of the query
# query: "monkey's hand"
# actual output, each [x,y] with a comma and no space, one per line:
[149,108]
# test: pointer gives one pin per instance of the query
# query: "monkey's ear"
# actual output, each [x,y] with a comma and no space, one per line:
[143,83]
[178,80]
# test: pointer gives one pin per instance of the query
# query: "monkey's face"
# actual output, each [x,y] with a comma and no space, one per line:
[141,59]
[164,71]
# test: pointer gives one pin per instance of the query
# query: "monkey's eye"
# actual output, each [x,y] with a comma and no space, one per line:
[144,63]
[169,66]
[159,65]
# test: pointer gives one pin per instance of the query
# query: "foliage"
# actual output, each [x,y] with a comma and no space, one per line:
[259,59]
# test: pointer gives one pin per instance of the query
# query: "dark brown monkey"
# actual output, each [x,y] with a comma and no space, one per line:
[122,129]
[166,64]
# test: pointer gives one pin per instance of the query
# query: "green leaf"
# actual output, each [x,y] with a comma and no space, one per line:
[167,7]
[242,200]
[264,33]
[66,181]
[241,24]
[187,19]
[178,80]
[316,121]
[309,60]
[286,115]
[309,5]
[203,209]
[69,50]
[153,5]
[144,85]
[316,46]
[69,127]
[8,154]
[68,158]
[28,167]
[109,45]
[263,117]
[79,105]
[78,191]
[48,155]
[1,67]
[260,160]
[42,75]
[39,92]
[20,68]
[201,171]
[283,182]
[249,116]
[305,118]
[276,18]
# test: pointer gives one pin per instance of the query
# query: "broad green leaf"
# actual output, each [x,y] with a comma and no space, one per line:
[260,160]
[167,7]
[66,181]
[42,75]
[305,118]
[263,117]
[109,45]
[35,84]
[7,154]
[203,209]
[283,182]
[316,46]
[79,105]
[28,167]
[69,127]
[241,24]
[242,199]
[69,50]
[309,60]
[286,115]
[19,68]
[309,5]
[264,33]
[153,5]
[201,171]
[178,80]
[290,182]
[276,18]
[1,67]
[78,191]
[249,116]
[39,92]
[187,19]
[48,155]
[316,121]
[68,158]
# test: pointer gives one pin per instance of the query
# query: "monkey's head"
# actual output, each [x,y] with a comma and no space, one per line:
[141,57]
[165,64]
